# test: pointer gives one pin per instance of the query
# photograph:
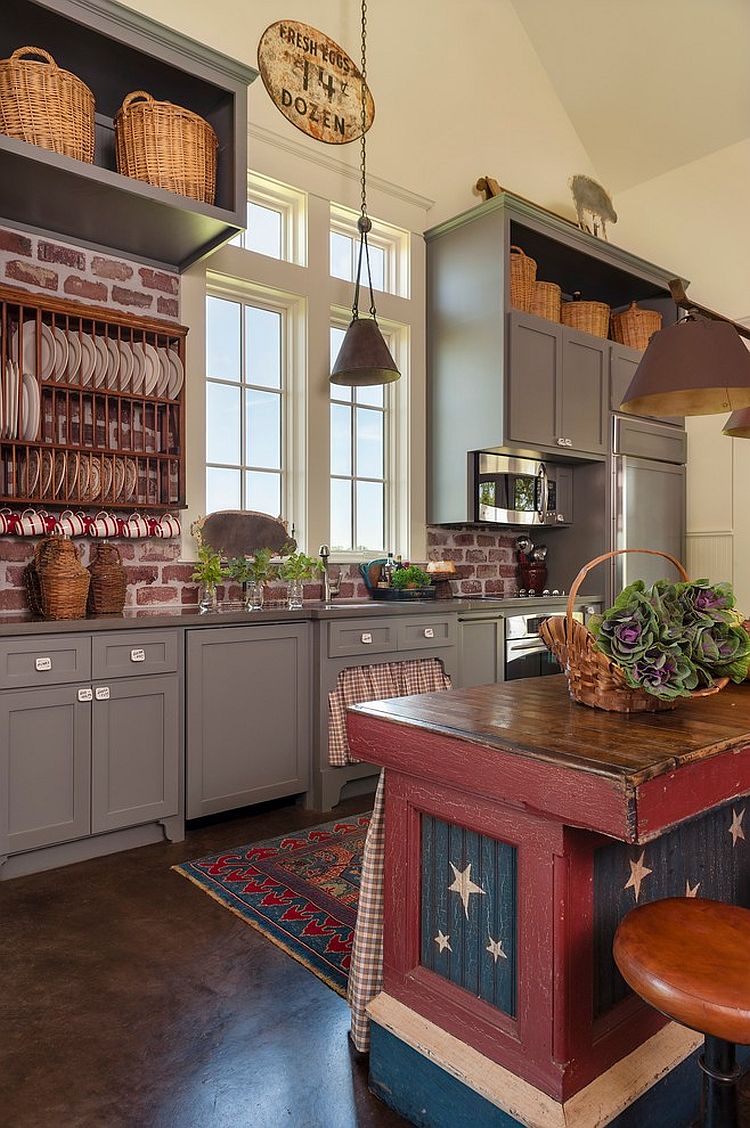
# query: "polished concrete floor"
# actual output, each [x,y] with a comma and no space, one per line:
[129,999]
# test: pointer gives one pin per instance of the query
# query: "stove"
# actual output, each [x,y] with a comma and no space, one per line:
[546,594]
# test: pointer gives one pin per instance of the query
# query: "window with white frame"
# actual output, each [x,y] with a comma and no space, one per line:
[245,365]
[276,220]
[388,252]
[359,464]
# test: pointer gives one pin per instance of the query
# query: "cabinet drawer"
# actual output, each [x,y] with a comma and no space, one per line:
[44,660]
[361,636]
[127,654]
[426,633]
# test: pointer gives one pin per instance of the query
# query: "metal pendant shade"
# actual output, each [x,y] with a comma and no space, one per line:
[737,425]
[364,357]
[697,366]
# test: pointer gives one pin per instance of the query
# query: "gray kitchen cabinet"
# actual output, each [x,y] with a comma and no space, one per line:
[248,715]
[481,649]
[622,365]
[136,750]
[557,387]
[45,767]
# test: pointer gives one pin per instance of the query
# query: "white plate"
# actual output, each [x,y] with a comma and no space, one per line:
[177,374]
[11,400]
[31,407]
[102,361]
[75,352]
[140,368]
[88,359]
[61,352]
[47,349]
[165,373]
[113,367]
[127,364]
[153,370]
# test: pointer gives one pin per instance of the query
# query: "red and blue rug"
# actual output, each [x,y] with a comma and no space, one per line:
[300,890]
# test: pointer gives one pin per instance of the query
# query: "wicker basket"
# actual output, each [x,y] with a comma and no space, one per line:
[108,581]
[31,578]
[593,678]
[48,106]
[64,581]
[635,326]
[167,146]
[546,299]
[522,275]
[589,317]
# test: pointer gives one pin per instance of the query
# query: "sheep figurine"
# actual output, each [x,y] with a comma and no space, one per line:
[592,198]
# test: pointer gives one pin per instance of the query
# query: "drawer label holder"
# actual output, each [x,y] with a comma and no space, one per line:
[86,694]
[102,693]
[41,664]
[137,654]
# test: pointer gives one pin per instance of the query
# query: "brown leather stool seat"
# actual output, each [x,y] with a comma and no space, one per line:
[690,959]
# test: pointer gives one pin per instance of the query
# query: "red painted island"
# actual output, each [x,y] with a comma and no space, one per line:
[520,828]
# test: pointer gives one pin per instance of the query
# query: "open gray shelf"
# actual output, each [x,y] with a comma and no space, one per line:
[116,50]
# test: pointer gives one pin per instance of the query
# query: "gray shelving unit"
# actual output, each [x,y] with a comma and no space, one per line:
[115,50]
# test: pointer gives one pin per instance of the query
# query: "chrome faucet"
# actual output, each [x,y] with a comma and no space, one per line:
[331,587]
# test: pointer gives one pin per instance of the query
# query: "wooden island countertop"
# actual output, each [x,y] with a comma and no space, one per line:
[626,775]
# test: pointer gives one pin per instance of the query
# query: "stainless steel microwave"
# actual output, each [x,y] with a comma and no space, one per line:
[517,491]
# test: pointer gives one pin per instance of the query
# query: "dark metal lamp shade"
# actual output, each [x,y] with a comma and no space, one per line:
[694,367]
[737,425]
[364,357]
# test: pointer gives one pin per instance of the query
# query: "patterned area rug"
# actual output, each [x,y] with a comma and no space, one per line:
[300,890]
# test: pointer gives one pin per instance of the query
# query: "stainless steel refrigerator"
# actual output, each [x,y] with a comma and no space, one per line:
[648,501]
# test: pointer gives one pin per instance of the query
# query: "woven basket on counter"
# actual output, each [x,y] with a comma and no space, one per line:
[108,581]
[522,275]
[593,678]
[545,300]
[635,326]
[31,578]
[167,146]
[64,582]
[588,317]
[46,105]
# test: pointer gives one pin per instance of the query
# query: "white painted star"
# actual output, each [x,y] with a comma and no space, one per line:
[637,873]
[735,829]
[443,941]
[464,886]
[691,890]
[495,948]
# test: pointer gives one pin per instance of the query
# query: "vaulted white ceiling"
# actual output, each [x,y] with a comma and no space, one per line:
[649,85]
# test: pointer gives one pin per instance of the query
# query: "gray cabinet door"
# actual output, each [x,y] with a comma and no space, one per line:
[584,392]
[481,657]
[45,763]
[248,716]
[622,365]
[535,357]
[135,752]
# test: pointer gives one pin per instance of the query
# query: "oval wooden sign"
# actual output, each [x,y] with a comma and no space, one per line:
[313,82]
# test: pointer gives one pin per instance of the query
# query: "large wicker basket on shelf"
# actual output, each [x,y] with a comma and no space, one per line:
[635,326]
[522,275]
[593,678]
[46,105]
[167,146]
[589,317]
[545,300]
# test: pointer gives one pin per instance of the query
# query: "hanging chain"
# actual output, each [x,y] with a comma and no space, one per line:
[364,223]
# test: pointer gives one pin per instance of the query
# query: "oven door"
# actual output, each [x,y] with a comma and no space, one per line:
[528,658]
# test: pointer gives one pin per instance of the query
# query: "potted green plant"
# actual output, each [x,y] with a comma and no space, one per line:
[294,570]
[208,571]
[252,572]
[411,577]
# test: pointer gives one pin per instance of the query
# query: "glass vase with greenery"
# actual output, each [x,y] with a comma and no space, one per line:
[295,569]
[252,572]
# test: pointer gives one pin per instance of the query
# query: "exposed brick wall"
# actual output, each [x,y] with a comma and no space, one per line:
[52,266]
[484,559]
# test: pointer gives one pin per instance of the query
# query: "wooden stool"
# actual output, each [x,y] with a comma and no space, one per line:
[690,959]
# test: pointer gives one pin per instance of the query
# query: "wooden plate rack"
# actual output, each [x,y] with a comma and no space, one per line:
[107,448]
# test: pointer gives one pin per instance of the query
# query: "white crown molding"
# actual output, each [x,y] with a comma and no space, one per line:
[340,168]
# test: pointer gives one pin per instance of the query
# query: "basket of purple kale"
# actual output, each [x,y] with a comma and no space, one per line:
[655,646]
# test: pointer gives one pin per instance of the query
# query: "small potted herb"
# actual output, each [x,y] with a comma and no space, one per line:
[411,577]
[295,569]
[252,572]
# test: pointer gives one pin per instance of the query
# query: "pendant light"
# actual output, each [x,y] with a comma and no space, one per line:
[737,425]
[364,358]
[698,366]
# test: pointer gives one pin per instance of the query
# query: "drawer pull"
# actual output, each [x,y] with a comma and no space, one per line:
[43,664]
[102,693]
[137,654]
[429,632]
[86,694]
[366,637]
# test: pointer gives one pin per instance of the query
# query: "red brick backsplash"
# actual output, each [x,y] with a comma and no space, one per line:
[484,561]
[55,267]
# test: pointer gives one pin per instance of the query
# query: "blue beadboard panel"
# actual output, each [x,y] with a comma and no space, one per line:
[699,851]
[491,914]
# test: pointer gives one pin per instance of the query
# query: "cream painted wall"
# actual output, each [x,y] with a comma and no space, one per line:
[695,220]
